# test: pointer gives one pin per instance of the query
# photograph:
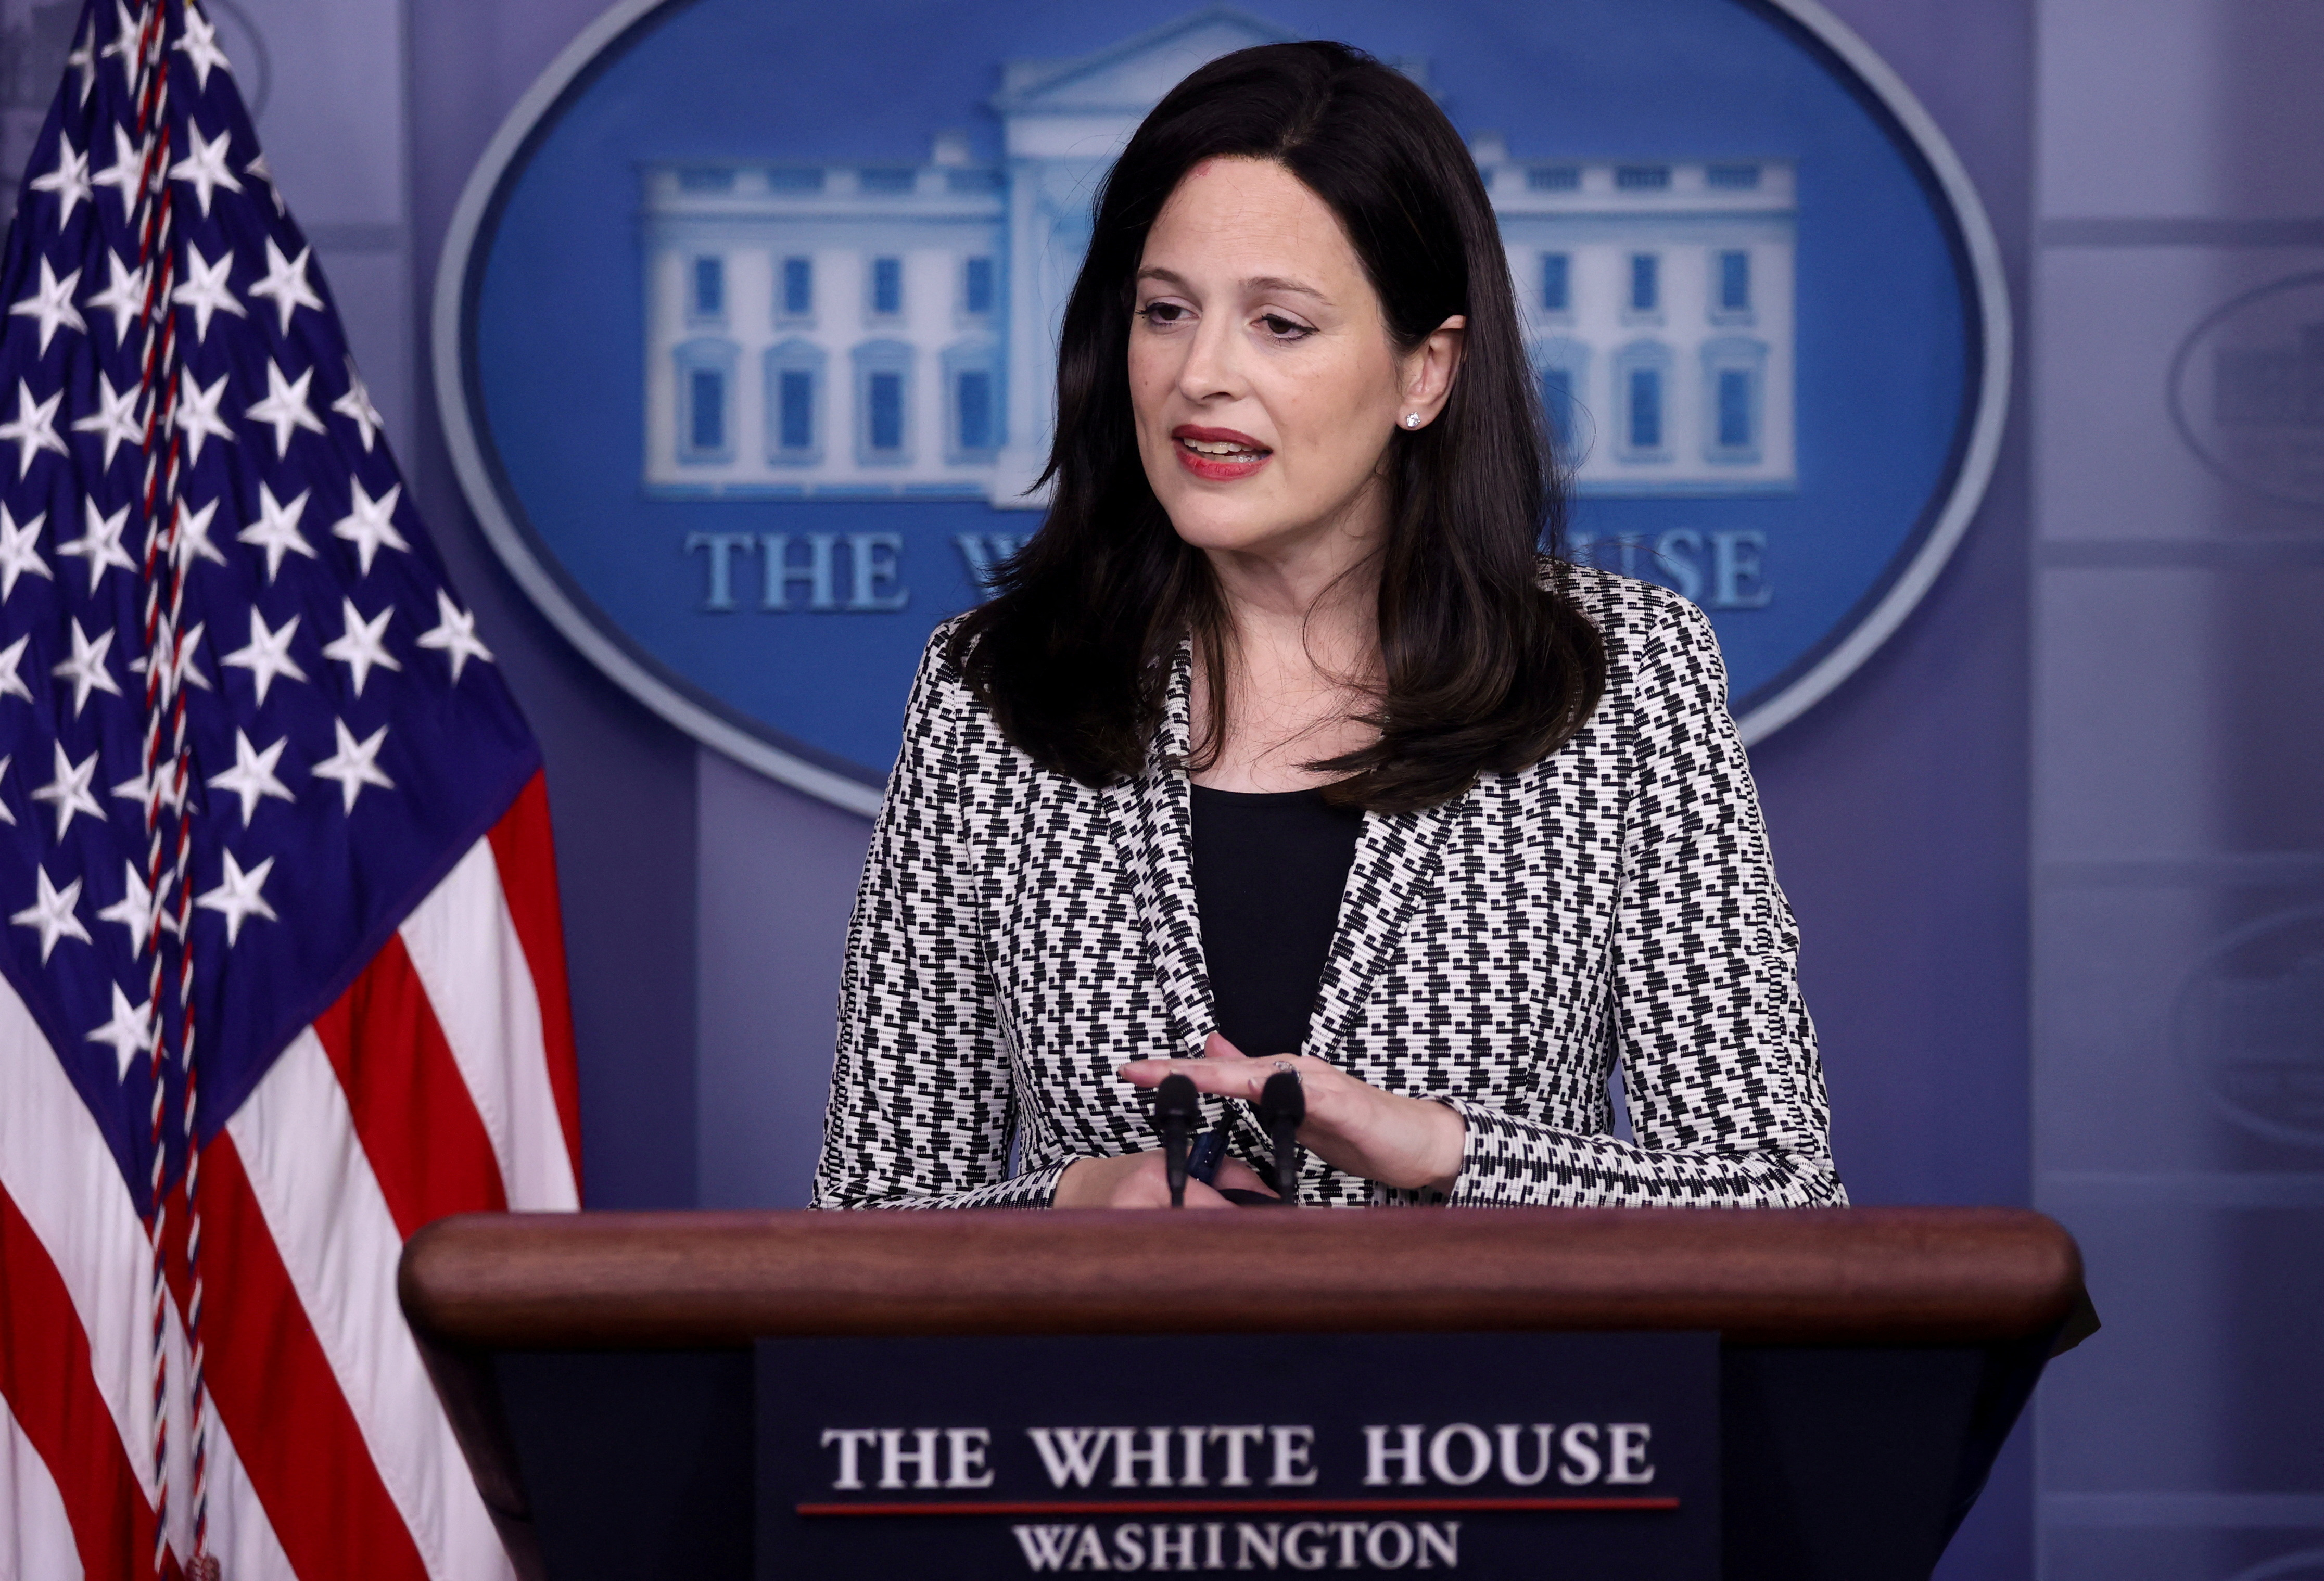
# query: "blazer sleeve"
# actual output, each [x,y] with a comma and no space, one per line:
[922,1104]
[1719,1058]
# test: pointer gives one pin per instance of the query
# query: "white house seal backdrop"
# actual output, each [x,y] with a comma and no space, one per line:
[745,329]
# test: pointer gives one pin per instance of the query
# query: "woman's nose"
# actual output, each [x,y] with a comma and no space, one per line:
[1211,370]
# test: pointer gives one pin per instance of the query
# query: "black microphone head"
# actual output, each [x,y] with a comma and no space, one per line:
[1176,1099]
[1283,1101]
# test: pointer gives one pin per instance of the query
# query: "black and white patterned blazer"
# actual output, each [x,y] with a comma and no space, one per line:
[1019,935]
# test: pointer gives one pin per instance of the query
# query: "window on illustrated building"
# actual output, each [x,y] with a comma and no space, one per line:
[794,398]
[976,285]
[887,286]
[1734,377]
[705,377]
[709,288]
[1556,282]
[1732,272]
[798,287]
[1646,282]
[972,379]
[883,376]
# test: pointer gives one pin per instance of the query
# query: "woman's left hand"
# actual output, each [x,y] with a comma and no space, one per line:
[1410,1144]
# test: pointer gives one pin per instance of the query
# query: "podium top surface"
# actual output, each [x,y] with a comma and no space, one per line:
[648,1281]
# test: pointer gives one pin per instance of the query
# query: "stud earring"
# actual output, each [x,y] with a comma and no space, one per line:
[1412,420]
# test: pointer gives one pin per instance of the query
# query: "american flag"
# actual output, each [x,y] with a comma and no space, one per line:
[281,975]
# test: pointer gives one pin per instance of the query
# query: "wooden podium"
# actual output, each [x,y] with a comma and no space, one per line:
[597,1366]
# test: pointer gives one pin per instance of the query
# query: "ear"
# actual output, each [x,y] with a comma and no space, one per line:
[1429,369]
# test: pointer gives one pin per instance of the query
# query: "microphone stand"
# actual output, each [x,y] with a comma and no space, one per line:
[1282,1110]
[1177,1110]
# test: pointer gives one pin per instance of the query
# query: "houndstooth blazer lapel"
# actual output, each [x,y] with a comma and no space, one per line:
[1153,820]
[1395,863]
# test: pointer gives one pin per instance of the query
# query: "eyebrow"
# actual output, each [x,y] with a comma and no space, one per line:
[1264,282]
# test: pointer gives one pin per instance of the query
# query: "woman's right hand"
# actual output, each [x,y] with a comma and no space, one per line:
[1138,1180]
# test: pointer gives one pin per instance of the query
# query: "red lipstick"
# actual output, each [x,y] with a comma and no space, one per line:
[1218,455]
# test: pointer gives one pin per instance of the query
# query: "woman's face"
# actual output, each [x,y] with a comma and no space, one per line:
[1264,380]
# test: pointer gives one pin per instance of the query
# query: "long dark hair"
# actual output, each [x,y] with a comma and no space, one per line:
[1484,669]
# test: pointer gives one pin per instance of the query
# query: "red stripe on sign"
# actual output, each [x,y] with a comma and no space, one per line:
[412,1110]
[1240,1507]
[526,856]
[46,1378]
[277,1395]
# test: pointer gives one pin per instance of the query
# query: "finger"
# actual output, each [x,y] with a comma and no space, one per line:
[1218,1048]
[1235,1077]
[1199,1195]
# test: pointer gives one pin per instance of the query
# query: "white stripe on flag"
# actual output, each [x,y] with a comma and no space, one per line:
[339,1245]
[56,1166]
[36,1535]
[465,947]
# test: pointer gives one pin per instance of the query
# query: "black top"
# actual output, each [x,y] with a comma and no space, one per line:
[1269,867]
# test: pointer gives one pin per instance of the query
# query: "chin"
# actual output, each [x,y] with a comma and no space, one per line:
[1203,525]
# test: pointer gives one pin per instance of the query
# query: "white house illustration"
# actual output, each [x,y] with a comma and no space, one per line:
[881,330]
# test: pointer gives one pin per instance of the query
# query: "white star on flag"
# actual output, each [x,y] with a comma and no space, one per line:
[238,896]
[257,167]
[456,633]
[198,414]
[83,61]
[355,765]
[5,815]
[69,792]
[180,670]
[116,420]
[135,790]
[33,427]
[362,644]
[20,554]
[12,685]
[86,668]
[194,536]
[205,290]
[69,180]
[370,523]
[125,298]
[51,303]
[54,914]
[267,655]
[199,46]
[129,1032]
[204,169]
[100,543]
[286,283]
[251,777]
[126,170]
[276,530]
[356,408]
[285,407]
[136,910]
[124,37]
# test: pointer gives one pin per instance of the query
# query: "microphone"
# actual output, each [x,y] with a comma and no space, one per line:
[1282,1110]
[1177,1110]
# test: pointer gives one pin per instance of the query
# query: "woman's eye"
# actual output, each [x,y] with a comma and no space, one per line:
[1283,328]
[1160,313]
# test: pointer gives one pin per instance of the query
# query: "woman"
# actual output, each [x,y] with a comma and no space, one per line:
[1279,739]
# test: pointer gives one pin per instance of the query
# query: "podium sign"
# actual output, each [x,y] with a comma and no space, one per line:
[1488,1455]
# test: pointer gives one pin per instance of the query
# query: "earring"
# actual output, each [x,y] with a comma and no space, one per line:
[1412,420]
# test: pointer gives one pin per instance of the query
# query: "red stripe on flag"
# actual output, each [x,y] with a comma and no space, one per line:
[526,856]
[276,1393]
[412,1110]
[46,1378]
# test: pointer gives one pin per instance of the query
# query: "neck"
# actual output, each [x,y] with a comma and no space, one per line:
[1316,594]
[1302,652]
